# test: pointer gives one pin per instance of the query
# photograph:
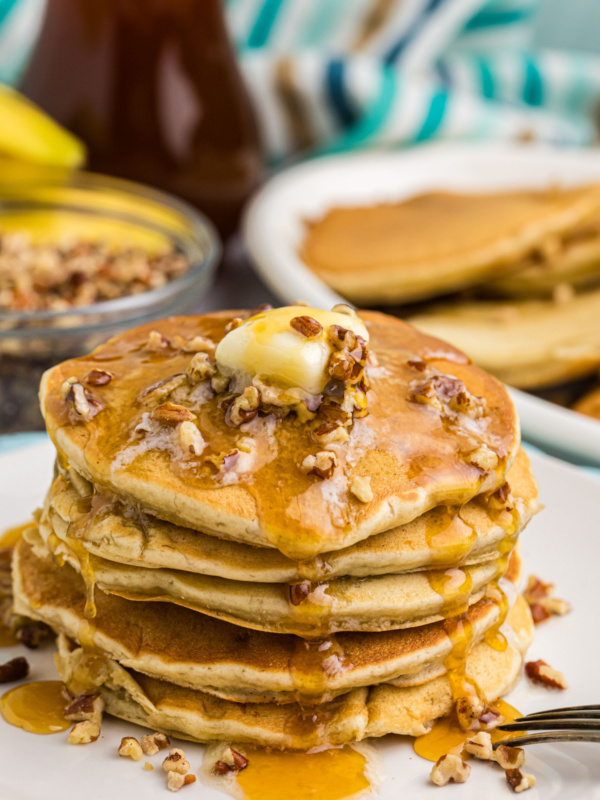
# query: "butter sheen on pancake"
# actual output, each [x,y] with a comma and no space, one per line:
[439,242]
[444,536]
[275,504]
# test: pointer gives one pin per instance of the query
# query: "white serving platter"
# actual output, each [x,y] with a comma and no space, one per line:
[275,219]
[560,545]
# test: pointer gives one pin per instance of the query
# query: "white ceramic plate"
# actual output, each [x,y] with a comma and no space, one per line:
[561,545]
[274,228]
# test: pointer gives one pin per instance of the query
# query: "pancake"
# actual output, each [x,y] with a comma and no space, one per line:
[380,603]
[417,455]
[162,640]
[573,259]
[589,404]
[442,537]
[435,243]
[362,713]
[529,344]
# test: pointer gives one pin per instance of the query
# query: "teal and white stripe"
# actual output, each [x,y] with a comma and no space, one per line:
[329,75]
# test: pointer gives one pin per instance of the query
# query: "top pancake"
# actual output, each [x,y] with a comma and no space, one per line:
[417,455]
[439,242]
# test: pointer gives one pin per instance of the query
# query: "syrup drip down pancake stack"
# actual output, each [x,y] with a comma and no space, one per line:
[293,529]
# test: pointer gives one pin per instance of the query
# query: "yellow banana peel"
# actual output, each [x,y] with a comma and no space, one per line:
[27,133]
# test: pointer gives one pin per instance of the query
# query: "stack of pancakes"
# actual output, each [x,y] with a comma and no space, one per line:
[227,594]
[518,271]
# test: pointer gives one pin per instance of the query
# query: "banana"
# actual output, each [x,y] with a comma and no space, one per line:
[27,133]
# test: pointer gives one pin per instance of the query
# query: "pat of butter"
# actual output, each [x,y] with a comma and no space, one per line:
[268,346]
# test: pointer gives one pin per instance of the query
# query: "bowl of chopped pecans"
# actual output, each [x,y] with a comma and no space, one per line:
[82,257]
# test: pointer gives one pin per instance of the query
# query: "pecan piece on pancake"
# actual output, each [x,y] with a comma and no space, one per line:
[322,465]
[306,326]
[172,414]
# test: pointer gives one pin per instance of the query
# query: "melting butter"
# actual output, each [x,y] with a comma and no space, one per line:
[267,345]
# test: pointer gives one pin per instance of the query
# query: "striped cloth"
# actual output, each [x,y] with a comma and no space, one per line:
[331,75]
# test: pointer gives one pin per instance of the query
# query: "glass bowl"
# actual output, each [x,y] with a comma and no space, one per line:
[91,206]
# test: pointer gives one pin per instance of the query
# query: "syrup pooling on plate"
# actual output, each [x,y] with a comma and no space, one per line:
[334,774]
[37,707]
[8,539]
[448,734]
[297,518]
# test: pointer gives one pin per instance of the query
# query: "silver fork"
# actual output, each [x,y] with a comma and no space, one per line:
[574,724]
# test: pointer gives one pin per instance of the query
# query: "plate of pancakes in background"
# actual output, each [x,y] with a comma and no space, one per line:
[494,248]
[313,589]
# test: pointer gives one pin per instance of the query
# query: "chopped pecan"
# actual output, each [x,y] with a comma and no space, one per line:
[219,383]
[176,762]
[539,613]
[509,757]
[449,768]
[164,387]
[322,465]
[231,761]
[484,458]
[341,338]
[543,605]
[299,592]
[233,324]
[98,377]
[191,439]
[85,707]
[244,408]
[33,634]
[343,308]
[171,414]
[417,364]
[153,742]
[130,748]
[200,368]
[177,781]
[306,326]
[82,403]
[331,433]
[157,342]
[199,344]
[542,673]
[361,488]
[84,732]
[14,670]
[519,781]
[480,746]
[491,718]
[341,366]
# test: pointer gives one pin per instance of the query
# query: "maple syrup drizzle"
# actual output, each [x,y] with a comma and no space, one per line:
[447,733]
[312,662]
[449,538]
[299,519]
[36,707]
[334,774]
[10,537]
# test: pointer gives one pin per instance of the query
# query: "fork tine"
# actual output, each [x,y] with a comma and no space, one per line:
[566,708]
[548,725]
[561,714]
[542,738]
